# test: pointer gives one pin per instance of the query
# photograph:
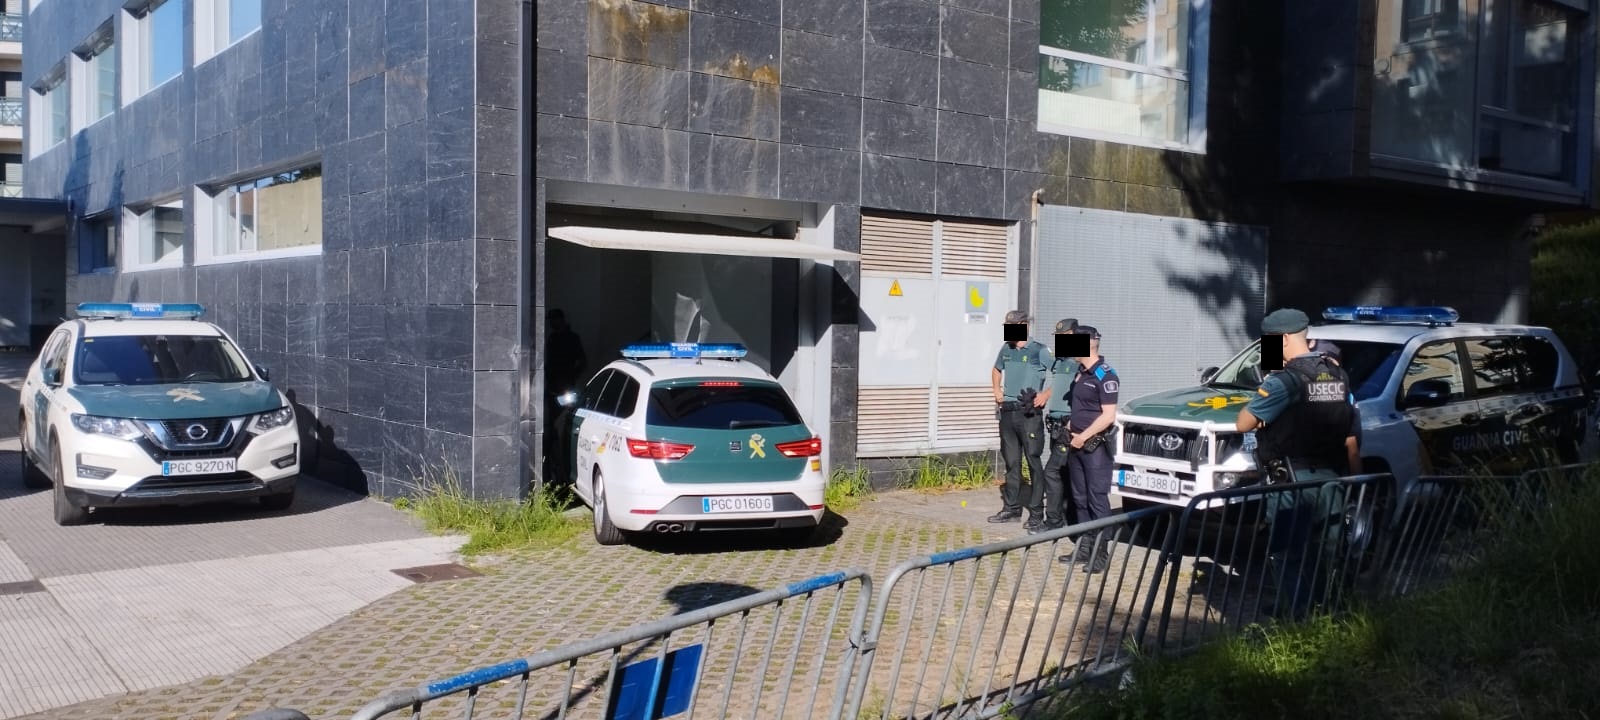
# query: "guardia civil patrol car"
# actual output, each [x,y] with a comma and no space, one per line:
[1434,396]
[145,404]
[685,437]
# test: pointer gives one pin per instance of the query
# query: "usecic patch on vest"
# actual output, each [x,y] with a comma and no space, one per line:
[1326,392]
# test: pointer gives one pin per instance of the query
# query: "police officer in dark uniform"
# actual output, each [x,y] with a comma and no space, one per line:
[1302,419]
[1020,391]
[1049,494]
[1094,414]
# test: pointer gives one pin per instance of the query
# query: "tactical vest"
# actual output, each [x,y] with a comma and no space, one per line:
[1314,426]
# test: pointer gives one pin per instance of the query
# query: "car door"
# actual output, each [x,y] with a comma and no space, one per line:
[1513,378]
[601,428]
[1435,398]
[581,437]
[43,393]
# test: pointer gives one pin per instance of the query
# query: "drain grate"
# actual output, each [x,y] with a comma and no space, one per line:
[435,573]
[21,588]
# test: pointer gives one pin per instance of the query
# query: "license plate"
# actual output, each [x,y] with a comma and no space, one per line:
[738,504]
[1149,481]
[214,466]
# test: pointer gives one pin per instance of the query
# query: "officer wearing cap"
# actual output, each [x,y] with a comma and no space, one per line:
[1020,390]
[1301,416]
[1048,495]
[1093,397]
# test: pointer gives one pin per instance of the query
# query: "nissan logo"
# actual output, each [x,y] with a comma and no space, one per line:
[1170,442]
[195,431]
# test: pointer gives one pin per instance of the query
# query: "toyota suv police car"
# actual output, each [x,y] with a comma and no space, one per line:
[683,437]
[144,404]
[1434,396]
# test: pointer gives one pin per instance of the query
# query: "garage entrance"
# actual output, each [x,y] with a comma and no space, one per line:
[620,277]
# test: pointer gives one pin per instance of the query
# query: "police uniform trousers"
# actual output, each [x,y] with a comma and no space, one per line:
[1020,437]
[1306,528]
[1090,475]
[1048,496]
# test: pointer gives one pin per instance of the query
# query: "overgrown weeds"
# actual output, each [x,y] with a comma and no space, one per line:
[847,489]
[934,473]
[491,525]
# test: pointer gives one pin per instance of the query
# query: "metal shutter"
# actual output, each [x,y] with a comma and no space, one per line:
[966,418]
[897,245]
[892,419]
[1170,295]
[972,250]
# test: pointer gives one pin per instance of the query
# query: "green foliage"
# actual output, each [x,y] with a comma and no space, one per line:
[846,489]
[937,473]
[491,525]
[1566,288]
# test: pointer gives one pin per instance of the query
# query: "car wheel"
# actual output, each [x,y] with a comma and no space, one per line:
[279,501]
[66,512]
[604,532]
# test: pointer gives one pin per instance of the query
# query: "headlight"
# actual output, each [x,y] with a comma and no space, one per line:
[1227,480]
[274,419]
[112,427]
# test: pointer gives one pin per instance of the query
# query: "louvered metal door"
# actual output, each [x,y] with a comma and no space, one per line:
[925,359]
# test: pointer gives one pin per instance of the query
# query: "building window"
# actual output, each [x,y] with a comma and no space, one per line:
[50,116]
[1495,91]
[97,243]
[222,23]
[159,51]
[158,232]
[277,214]
[95,77]
[1125,70]
[11,164]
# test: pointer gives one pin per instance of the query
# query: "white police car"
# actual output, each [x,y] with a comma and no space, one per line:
[144,404]
[683,437]
[1434,396]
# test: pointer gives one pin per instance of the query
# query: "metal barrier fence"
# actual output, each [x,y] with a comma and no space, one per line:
[979,632]
[640,672]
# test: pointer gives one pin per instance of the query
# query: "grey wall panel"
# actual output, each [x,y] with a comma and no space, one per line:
[1169,295]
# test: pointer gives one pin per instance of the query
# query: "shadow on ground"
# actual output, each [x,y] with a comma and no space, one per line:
[712,542]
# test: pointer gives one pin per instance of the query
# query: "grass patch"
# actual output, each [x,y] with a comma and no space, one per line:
[933,473]
[492,525]
[1514,634]
[846,489]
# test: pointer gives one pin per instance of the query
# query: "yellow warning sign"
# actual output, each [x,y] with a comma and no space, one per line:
[894,289]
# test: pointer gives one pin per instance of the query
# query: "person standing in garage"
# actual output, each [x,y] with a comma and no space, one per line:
[1020,391]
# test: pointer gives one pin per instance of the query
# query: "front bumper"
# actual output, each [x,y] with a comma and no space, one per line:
[107,472]
[1205,479]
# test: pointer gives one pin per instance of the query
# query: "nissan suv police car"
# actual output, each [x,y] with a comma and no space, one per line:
[685,437]
[1434,396]
[144,404]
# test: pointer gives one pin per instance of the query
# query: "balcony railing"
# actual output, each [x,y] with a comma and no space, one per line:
[10,111]
[10,189]
[10,27]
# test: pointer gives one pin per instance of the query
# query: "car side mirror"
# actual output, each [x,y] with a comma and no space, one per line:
[1207,374]
[1428,393]
[52,376]
[262,371]
[567,399]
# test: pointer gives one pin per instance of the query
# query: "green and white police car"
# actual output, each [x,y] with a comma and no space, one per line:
[144,404]
[1434,396]
[685,437]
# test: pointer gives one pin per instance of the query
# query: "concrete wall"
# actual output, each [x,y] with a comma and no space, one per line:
[402,339]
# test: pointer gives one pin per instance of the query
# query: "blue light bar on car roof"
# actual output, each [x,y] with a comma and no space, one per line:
[1432,315]
[167,311]
[684,350]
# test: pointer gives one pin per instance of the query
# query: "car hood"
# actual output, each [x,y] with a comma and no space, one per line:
[178,401]
[1196,404]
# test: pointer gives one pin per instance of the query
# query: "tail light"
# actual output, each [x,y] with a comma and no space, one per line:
[801,448]
[658,449]
[721,383]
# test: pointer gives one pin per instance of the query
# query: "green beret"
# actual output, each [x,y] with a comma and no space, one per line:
[1284,321]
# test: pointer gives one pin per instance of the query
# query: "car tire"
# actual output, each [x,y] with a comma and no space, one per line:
[278,501]
[604,532]
[67,514]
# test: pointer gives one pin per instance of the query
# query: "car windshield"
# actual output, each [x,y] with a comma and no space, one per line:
[722,406]
[1369,365]
[158,359]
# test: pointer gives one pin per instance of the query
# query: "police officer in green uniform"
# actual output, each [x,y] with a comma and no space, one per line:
[1049,495]
[1020,391]
[1302,419]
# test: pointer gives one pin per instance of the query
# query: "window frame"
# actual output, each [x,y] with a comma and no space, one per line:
[210,38]
[101,46]
[139,56]
[1465,393]
[43,97]
[95,229]
[1195,75]
[141,221]
[208,215]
